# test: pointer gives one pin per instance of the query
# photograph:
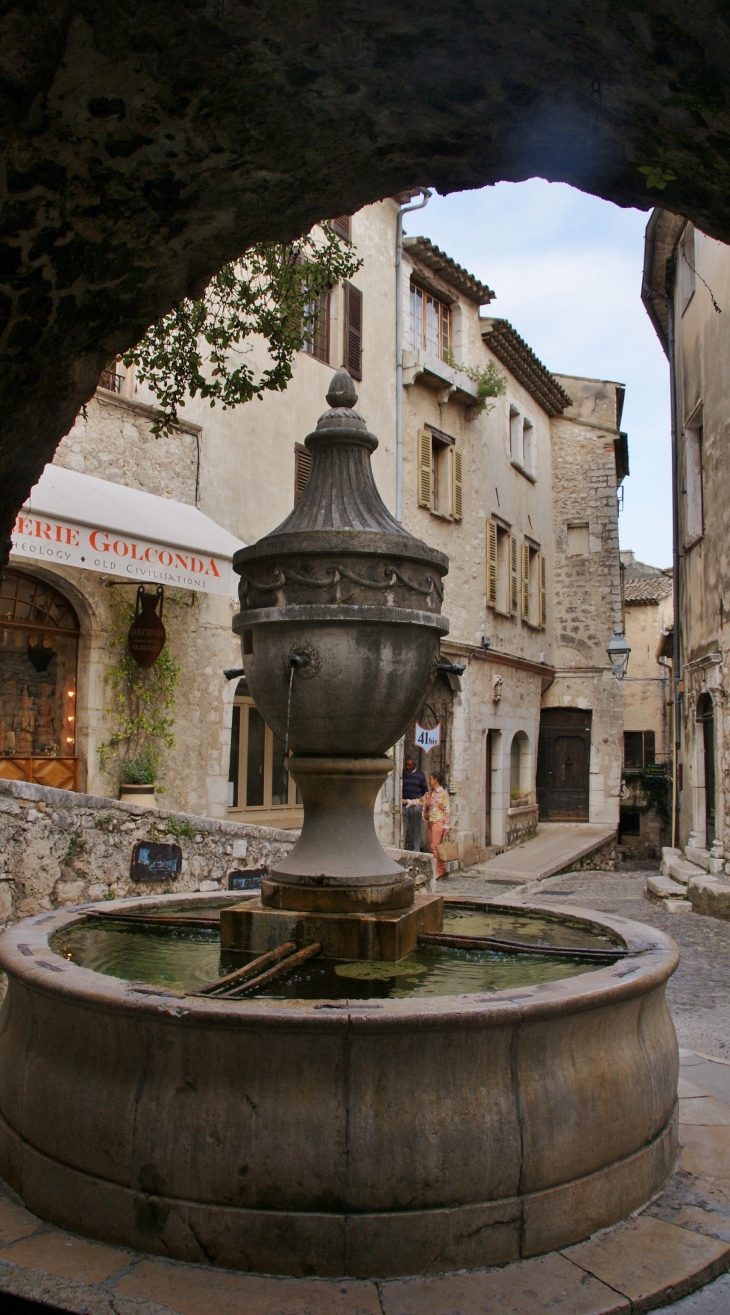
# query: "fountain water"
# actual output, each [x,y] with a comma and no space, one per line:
[353,1079]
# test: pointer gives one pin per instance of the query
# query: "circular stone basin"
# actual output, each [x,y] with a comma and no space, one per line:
[384,1126]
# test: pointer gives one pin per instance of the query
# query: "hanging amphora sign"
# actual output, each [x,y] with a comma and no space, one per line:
[146,638]
[428,737]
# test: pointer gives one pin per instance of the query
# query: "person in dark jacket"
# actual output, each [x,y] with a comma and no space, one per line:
[415,786]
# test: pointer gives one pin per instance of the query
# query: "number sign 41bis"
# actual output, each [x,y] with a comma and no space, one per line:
[428,737]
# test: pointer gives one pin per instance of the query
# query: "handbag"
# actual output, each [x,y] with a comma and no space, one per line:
[447,851]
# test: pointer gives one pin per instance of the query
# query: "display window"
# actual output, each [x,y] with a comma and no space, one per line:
[39,639]
[259,786]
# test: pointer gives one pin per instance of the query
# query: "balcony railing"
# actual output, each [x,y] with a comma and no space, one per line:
[111,380]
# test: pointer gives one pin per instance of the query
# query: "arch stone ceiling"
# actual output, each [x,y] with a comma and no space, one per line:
[147,142]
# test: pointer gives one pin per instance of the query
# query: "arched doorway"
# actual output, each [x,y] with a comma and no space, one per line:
[39,635]
[706,724]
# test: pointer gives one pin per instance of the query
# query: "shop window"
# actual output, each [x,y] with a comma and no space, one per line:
[258,782]
[39,633]
[639,750]
[430,328]
[629,823]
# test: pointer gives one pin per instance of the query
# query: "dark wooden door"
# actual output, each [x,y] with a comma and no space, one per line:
[563,765]
[488,794]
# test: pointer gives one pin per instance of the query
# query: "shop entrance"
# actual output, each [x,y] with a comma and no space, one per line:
[39,638]
[706,720]
[563,765]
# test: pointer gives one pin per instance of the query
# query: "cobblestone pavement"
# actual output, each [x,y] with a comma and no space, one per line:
[699,991]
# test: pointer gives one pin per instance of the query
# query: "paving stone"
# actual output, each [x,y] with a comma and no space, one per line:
[651,1262]
[15,1222]
[712,1300]
[547,1283]
[697,1219]
[705,1150]
[703,1110]
[64,1295]
[687,1090]
[196,1290]
[55,1252]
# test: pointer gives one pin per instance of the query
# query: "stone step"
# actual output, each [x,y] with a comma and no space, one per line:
[661,890]
[681,871]
[710,896]
[700,857]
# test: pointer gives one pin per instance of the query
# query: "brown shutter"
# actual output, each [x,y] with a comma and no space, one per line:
[342,226]
[425,469]
[525,582]
[353,331]
[457,501]
[513,575]
[302,470]
[491,563]
[543,592]
[649,748]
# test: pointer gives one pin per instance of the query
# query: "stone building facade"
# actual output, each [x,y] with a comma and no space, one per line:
[686,285]
[646,794]
[521,495]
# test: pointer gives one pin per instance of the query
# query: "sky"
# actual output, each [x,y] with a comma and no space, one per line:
[566,270]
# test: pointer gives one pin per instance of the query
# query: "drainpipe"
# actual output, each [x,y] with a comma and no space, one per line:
[404,210]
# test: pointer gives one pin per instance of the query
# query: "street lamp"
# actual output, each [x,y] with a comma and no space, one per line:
[618,654]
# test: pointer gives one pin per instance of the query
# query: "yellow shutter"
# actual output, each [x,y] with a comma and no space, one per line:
[543,592]
[425,469]
[491,564]
[457,501]
[513,575]
[525,582]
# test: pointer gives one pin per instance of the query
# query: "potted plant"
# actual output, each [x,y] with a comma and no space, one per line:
[139,777]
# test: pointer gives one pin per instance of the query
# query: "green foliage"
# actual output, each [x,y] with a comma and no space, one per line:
[655,789]
[272,292]
[76,847]
[490,383]
[142,769]
[178,829]
[657,176]
[142,701]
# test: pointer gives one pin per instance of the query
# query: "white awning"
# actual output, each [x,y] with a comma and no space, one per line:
[77,520]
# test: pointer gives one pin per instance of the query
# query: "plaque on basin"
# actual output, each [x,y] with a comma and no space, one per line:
[156,861]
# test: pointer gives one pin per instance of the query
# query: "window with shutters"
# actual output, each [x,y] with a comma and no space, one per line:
[694,525]
[503,569]
[440,474]
[302,468]
[430,328]
[533,599]
[522,444]
[343,226]
[639,750]
[316,328]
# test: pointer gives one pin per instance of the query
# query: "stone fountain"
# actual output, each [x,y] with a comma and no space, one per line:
[324,1134]
[340,624]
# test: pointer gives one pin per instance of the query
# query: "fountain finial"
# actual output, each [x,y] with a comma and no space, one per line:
[341,391]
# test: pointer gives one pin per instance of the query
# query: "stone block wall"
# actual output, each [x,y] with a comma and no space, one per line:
[59,848]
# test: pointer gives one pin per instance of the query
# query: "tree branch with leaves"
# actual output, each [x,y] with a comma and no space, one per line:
[203,347]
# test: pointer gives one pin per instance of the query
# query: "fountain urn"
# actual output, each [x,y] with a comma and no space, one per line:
[340,623]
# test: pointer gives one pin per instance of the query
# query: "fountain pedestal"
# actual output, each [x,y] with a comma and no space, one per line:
[340,624]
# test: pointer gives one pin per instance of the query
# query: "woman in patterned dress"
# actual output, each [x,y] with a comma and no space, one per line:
[437,812]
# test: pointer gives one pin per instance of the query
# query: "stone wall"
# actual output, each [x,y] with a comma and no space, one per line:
[587,602]
[62,848]
[602,859]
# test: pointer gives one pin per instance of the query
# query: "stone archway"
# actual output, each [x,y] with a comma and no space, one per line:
[143,150]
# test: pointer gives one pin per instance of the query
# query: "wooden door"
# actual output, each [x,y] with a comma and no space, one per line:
[563,765]
[488,793]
